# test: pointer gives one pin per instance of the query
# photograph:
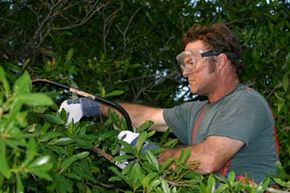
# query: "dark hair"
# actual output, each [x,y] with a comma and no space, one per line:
[219,38]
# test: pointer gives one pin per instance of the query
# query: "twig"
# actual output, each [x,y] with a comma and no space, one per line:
[102,153]
[88,16]
[273,190]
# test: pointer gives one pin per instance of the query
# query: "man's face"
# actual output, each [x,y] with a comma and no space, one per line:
[200,71]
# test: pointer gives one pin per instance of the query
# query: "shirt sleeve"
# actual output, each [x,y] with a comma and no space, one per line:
[179,119]
[243,118]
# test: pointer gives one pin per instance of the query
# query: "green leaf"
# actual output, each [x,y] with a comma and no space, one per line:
[64,185]
[15,108]
[16,133]
[52,118]
[285,82]
[50,135]
[152,160]
[184,155]
[170,144]
[282,183]
[43,172]
[22,85]
[127,148]
[287,60]
[221,188]
[30,152]
[265,183]
[73,176]
[165,186]
[40,167]
[120,175]
[19,185]
[231,178]
[4,168]
[62,141]
[140,141]
[102,90]
[114,179]
[211,184]
[154,184]
[69,57]
[4,82]
[22,118]
[146,181]
[35,99]
[165,165]
[114,93]
[135,174]
[122,158]
[60,150]
[43,160]
[69,161]
[145,126]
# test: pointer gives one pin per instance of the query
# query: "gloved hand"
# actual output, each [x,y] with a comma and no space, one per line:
[77,108]
[131,138]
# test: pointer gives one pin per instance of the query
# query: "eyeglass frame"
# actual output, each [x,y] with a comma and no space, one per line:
[204,54]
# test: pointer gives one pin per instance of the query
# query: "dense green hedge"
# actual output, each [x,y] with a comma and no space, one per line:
[121,50]
[40,153]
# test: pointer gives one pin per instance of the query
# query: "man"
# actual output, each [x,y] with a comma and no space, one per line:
[233,129]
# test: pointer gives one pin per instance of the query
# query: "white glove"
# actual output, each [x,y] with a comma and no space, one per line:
[131,138]
[128,136]
[77,108]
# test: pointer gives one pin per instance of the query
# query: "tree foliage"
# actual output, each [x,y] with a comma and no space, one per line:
[121,50]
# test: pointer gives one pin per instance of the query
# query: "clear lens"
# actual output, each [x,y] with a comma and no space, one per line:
[186,60]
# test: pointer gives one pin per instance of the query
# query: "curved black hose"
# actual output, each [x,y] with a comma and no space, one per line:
[93,97]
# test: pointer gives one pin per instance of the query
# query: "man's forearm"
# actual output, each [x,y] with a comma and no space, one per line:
[140,113]
[213,153]
[204,161]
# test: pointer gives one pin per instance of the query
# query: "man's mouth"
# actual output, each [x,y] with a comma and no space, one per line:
[191,81]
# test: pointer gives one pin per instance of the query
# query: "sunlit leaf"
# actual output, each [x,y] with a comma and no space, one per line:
[43,160]
[22,85]
[114,93]
[152,160]
[41,166]
[211,184]
[4,168]
[140,142]
[148,180]
[123,158]
[35,99]
[165,186]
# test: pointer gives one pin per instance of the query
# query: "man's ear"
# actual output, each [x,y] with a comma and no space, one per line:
[222,60]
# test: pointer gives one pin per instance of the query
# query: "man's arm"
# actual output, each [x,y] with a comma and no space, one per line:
[140,113]
[213,153]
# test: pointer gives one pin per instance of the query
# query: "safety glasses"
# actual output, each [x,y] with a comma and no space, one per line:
[187,59]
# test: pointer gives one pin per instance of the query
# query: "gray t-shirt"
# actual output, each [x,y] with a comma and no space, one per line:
[244,115]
